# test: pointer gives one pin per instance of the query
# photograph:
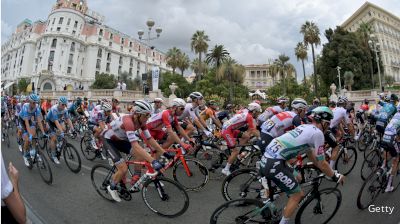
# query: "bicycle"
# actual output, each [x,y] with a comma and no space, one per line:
[375,184]
[4,129]
[69,152]
[371,161]
[347,156]
[311,207]
[37,157]
[87,149]
[152,183]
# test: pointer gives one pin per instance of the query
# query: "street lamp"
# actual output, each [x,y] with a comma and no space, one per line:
[150,24]
[372,42]
[340,84]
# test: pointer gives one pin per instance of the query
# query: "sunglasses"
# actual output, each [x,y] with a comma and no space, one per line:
[181,108]
[147,115]
[64,105]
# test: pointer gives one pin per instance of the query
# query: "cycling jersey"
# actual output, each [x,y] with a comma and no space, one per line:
[160,120]
[99,116]
[27,113]
[297,141]
[116,109]
[239,120]
[75,110]
[391,131]
[56,114]
[18,108]
[207,114]
[278,124]
[339,114]
[268,113]
[190,112]
[123,129]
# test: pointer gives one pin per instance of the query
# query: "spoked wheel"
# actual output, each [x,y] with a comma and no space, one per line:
[242,183]
[321,207]
[72,158]
[101,178]
[242,210]
[165,197]
[44,168]
[212,159]
[370,164]
[41,140]
[88,152]
[346,160]
[370,190]
[191,174]
[362,142]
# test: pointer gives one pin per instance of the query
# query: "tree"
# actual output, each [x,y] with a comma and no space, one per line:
[196,66]
[282,67]
[301,54]
[311,37]
[217,56]
[348,79]
[23,84]
[173,55]
[130,84]
[389,80]
[232,72]
[183,62]
[199,45]
[104,81]
[184,87]
[294,90]
[365,30]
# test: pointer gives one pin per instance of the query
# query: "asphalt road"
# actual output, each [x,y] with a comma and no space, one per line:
[72,199]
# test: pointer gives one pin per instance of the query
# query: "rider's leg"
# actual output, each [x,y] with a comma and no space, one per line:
[291,206]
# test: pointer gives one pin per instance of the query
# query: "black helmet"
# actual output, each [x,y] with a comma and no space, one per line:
[394,98]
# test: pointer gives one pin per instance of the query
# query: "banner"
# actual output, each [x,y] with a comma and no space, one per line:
[155,72]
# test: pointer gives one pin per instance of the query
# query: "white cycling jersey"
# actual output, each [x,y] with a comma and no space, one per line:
[268,113]
[339,114]
[190,112]
[297,141]
[278,124]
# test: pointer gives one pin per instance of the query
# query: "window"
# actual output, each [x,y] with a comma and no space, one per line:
[122,48]
[120,59]
[72,46]
[130,71]
[264,74]
[101,32]
[110,44]
[54,20]
[109,57]
[111,36]
[97,72]
[122,41]
[119,69]
[54,43]
[131,62]
[98,64]
[60,21]
[99,52]
[73,32]
[130,43]
[108,67]
[69,70]
[70,60]
[252,74]
[69,21]
[76,24]
[22,59]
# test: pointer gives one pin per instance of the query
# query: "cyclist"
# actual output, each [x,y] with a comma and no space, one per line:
[278,124]
[232,134]
[97,124]
[121,137]
[316,103]
[361,116]
[115,108]
[385,113]
[391,143]
[76,110]
[271,111]
[226,114]
[4,113]
[210,113]
[18,109]
[282,151]
[55,118]
[158,102]
[29,115]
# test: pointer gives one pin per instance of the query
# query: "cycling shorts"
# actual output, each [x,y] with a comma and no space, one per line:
[264,142]
[52,128]
[390,145]
[114,148]
[380,126]
[280,173]
[231,137]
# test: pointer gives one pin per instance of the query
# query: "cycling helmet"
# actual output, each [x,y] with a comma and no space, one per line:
[189,100]
[254,107]
[63,100]
[229,106]
[78,100]
[142,107]
[33,98]
[178,102]
[387,98]
[342,99]
[106,107]
[381,96]
[22,98]
[196,95]
[158,100]
[114,100]
[85,98]
[316,101]
[322,113]
[212,103]
[394,98]
[282,99]
[299,103]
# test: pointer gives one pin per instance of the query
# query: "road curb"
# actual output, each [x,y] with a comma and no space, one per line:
[31,215]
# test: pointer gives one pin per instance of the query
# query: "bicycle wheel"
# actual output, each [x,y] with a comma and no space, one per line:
[243,210]
[101,178]
[194,178]
[251,160]
[370,164]
[363,140]
[72,158]
[320,207]
[44,168]
[370,189]
[346,160]
[242,183]
[87,151]
[212,159]
[40,140]
[165,197]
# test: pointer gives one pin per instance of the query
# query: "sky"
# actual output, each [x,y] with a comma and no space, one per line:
[253,31]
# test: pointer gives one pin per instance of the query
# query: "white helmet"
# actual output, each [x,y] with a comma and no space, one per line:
[142,107]
[158,100]
[254,107]
[299,103]
[189,100]
[106,106]
[282,99]
[178,102]
[342,99]
[196,95]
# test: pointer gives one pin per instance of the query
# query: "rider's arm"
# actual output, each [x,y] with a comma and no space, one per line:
[59,126]
[28,127]
[140,152]
[252,126]
[153,144]
[216,121]
[321,164]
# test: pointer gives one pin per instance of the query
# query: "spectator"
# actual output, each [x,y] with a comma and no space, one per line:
[12,206]
[119,85]
[123,86]
[65,87]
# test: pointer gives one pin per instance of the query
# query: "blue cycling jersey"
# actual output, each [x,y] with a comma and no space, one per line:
[27,113]
[56,114]
[386,112]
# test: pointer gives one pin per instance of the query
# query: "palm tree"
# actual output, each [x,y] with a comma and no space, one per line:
[199,45]
[282,67]
[183,62]
[231,71]
[196,66]
[217,55]
[301,53]
[311,37]
[173,58]
[365,31]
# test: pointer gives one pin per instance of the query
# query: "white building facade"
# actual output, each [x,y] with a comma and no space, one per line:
[70,48]
[260,76]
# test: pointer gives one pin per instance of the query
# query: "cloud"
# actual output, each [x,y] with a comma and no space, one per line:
[6,31]
[253,31]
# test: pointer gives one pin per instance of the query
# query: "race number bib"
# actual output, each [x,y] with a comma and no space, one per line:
[267,125]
